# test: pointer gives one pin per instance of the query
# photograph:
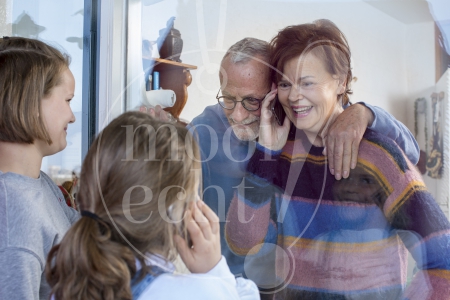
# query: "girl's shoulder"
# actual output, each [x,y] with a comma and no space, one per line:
[17,190]
[189,286]
[218,284]
[71,213]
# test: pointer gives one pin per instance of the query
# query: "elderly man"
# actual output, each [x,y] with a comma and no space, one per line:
[227,133]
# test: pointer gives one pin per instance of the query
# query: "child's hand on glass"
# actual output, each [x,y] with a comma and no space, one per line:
[203,227]
[158,113]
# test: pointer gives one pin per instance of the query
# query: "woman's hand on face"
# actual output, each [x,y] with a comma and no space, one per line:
[203,227]
[271,135]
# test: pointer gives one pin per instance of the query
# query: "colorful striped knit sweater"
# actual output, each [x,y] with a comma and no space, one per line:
[345,239]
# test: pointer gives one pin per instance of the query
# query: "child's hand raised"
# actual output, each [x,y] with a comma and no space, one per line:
[158,113]
[203,227]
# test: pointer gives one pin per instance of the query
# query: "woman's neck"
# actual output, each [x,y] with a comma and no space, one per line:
[315,137]
[23,159]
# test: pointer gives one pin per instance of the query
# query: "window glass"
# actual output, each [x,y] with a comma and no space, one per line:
[399,53]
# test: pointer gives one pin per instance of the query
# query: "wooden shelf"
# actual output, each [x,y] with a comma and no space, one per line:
[165,63]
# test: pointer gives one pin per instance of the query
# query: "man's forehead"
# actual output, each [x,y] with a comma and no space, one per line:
[256,86]
[254,63]
[244,75]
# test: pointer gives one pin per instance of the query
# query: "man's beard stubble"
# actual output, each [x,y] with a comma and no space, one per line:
[247,130]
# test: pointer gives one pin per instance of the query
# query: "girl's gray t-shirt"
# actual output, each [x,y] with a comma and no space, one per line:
[33,218]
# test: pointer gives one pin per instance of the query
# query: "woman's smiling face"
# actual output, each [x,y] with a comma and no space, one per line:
[309,93]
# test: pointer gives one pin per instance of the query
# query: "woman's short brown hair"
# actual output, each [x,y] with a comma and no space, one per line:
[27,75]
[322,36]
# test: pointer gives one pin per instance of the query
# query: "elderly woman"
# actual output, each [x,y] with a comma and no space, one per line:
[344,239]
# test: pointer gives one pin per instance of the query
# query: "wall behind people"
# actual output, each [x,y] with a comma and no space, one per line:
[385,50]
[421,82]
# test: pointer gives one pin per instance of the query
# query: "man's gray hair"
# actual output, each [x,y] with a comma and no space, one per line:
[247,49]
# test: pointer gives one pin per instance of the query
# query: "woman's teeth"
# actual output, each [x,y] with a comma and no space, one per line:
[303,109]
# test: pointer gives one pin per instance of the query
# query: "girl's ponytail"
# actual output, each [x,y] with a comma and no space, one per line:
[89,264]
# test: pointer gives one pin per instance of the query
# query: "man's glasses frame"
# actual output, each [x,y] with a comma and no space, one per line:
[243,102]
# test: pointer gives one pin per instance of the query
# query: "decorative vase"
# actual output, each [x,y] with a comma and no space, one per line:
[172,45]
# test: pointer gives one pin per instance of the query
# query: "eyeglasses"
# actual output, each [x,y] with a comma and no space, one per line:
[249,103]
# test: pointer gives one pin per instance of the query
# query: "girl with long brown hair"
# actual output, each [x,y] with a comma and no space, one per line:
[139,202]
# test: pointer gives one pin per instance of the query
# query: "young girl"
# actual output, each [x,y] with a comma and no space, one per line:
[139,199]
[36,87]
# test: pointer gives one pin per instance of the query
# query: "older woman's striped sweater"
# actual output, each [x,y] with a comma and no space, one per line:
[346,239]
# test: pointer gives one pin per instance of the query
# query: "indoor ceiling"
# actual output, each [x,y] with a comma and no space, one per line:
[406,11]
